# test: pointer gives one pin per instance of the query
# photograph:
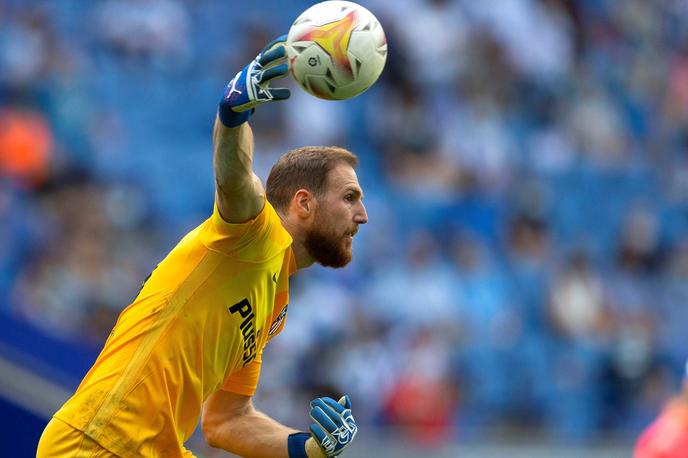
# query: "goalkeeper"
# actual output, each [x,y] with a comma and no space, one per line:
[193,338]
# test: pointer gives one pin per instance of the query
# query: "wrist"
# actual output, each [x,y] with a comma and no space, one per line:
[296,445]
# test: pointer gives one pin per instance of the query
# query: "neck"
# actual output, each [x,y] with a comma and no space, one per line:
[303,259]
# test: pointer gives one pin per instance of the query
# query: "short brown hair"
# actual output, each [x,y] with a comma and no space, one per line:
[304,168]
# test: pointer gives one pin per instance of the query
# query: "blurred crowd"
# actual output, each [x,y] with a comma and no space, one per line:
[525,165]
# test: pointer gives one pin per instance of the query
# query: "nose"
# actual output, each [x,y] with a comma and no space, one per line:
[361,215]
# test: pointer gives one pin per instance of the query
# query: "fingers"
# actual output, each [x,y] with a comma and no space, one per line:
[326,405]
[345,401]
[280,93]
[273,55]
[318,432]
[324,439]
[327,402]
[326,420]
[279,71]
[336,407]
[277,41]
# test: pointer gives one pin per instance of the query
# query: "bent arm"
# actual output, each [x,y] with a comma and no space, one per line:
[239,193]
[231,422]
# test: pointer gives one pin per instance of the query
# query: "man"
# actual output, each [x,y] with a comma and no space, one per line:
[667,436]
[194,336]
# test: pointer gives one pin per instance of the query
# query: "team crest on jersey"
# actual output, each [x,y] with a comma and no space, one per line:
[278,321]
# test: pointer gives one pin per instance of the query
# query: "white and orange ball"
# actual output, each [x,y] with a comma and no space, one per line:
[336,49]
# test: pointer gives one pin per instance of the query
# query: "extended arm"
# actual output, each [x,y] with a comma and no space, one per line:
[239,192]
[230,422]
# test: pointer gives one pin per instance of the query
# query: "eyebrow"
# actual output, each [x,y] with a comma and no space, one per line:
[356,191]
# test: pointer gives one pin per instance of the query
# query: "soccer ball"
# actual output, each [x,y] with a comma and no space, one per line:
[336,49]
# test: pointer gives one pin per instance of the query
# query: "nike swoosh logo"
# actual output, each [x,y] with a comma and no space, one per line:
[274,277]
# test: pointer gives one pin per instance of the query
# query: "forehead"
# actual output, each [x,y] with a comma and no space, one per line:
[342,176]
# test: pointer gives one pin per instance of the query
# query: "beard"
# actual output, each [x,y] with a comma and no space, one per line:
[326,248]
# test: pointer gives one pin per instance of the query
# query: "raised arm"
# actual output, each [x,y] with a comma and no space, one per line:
[239,192]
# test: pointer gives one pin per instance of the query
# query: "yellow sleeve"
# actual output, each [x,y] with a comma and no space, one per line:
[245,380]
[255,240]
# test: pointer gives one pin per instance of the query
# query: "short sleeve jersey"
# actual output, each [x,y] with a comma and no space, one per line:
[199,324]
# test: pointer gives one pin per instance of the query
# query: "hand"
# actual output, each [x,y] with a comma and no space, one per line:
[334,427]
[249,88]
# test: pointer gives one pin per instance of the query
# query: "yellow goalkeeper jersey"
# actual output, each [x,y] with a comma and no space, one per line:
[199,324]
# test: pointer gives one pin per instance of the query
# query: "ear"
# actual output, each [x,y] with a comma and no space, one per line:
[303,203]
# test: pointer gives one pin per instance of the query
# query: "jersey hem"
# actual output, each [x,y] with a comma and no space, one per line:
[72,424]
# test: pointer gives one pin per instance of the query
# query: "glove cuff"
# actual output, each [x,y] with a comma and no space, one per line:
[231,118]
[296,445]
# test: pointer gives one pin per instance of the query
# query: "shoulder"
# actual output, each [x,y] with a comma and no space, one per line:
[244,202]
[259,238]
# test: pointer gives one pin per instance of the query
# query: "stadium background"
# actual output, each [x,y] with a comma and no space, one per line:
[521,287]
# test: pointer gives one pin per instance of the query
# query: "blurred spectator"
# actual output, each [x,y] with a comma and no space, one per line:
[147,30]
[577,304]
[419,290]
[536,35]
[26,146]
[26,45]
[422,401]
[76,285]
[434,57]
[596,127]
[490,340]
[580,321]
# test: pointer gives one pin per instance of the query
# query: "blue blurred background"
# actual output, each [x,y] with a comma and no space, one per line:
[523,280]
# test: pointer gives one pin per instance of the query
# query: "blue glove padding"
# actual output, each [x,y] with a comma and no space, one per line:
[334,427]
[249,87]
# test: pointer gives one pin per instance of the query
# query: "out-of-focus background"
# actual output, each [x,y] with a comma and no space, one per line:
[521,289]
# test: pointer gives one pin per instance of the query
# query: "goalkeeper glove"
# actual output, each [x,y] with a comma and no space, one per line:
[249,88]
[333,426]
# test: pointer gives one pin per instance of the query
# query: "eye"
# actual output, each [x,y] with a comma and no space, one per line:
[349,197]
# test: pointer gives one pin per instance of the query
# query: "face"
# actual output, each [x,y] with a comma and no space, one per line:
[336,218]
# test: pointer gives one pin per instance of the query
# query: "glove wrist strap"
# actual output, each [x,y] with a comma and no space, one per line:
[296,445]
[231,118]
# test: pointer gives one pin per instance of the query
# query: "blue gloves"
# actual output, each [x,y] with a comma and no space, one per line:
[334,427]
[249,88]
